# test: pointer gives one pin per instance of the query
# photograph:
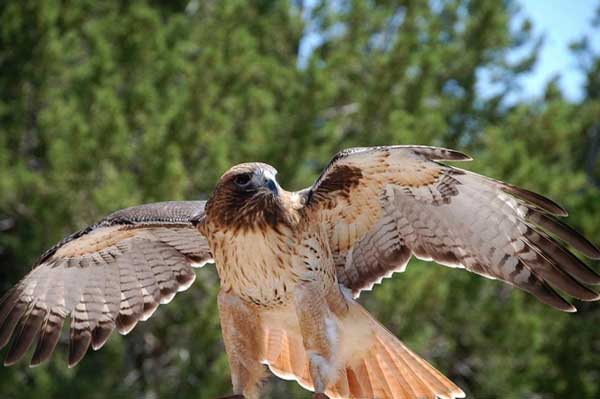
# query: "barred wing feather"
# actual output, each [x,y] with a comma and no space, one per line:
[109,275]
[382,205]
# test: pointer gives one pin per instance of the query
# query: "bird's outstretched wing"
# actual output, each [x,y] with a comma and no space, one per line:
[382,204]
[109,275]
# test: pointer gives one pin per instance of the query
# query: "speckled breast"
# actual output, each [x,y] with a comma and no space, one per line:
[258,266]
[263,267]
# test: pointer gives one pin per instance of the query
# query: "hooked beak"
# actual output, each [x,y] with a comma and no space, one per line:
[268,183]
[272,186]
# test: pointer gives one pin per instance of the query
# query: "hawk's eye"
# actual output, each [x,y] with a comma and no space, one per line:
[242,180]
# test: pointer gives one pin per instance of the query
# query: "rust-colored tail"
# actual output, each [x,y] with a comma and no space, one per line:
[373,363]
[391,370]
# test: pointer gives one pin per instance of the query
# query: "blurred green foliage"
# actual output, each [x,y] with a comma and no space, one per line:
[114,103]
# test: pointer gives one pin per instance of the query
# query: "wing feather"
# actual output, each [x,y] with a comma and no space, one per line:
[383,204]
[49,336]
[26,331]
[109,275]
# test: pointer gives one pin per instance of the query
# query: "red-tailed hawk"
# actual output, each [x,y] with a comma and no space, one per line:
[291,264]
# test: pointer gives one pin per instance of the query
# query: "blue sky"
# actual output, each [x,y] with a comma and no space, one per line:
[561,22]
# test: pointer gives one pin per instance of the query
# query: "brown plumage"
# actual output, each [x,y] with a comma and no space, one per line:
[290,264]
[109,275]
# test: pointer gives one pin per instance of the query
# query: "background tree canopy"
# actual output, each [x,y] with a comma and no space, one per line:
[104,105]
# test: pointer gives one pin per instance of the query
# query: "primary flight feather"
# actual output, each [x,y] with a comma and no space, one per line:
[291,263]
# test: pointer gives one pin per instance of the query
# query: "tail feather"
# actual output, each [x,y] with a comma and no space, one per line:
[379,381]
[409,377]
[394,377]
[359,383]
[341,387]
[286,357]
[387,369]
[299,361]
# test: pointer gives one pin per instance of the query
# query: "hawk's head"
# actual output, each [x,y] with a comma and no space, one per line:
[246,197]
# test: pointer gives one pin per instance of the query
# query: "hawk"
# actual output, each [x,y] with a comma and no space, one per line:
[291,265]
